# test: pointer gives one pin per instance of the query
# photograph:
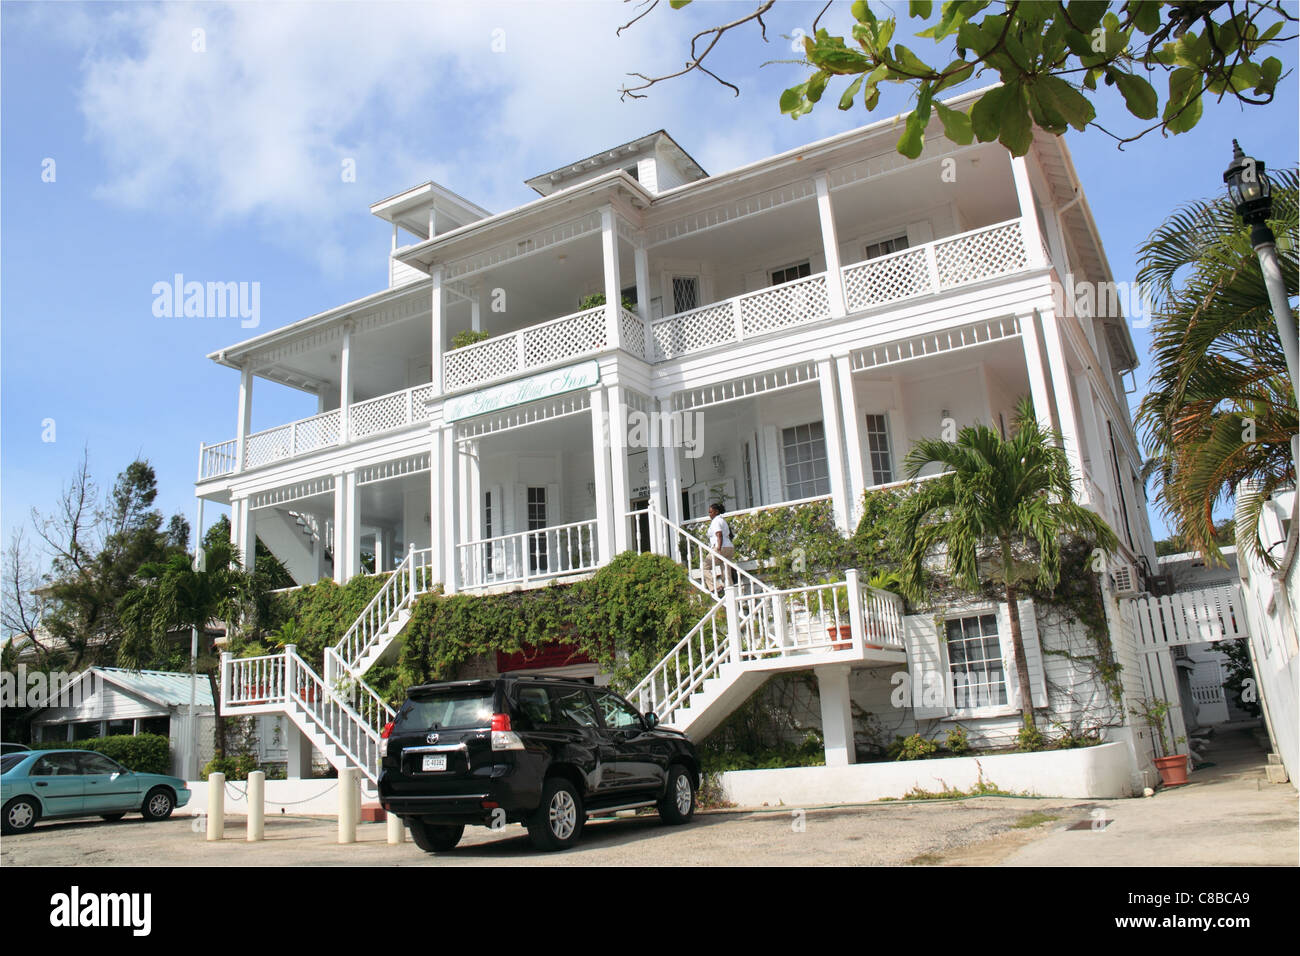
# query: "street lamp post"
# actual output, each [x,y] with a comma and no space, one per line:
[1252,193]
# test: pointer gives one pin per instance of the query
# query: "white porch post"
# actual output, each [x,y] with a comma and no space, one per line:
[853,450]
[436,322]
[621,485]
[672,473]
[1028,212]
[600,457]
[299,748]
[351,526]
[242,426]
[1038,389]
[450,501]
[837,714]
[472,492]
[1062,391]
[830,245]
[613,288]
[345,385]
[641,259]
[438,567]
[241,531]
[340,526]
[834,429]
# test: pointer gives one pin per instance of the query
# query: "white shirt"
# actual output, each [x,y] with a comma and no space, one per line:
[719,524]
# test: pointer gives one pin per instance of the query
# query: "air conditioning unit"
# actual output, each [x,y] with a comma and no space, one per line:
[1125,579]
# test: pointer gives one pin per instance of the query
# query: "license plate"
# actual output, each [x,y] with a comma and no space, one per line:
[434,763]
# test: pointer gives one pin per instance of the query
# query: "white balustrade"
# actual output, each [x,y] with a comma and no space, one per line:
[529,555]
[405,583]
[217,459]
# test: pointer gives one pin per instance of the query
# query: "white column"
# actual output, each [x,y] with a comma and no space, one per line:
[340,528]
[853,450]
[621,485]
[1062,391]
[436,323]
[472,493]
[641,259]
[351,526]
[244,423]
[1028,212]
[345,385]
[438,552]
[834,429]
[433,221]
[1038,389]
[603,480]
[450,500]
[830,245]
[475,311]
[672,473]
[300,749]
[613,288]
[243,537]
[837,714]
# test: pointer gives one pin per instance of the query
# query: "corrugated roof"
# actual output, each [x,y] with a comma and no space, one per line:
[165,687]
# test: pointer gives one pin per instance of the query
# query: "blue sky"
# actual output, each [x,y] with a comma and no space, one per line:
[224,165]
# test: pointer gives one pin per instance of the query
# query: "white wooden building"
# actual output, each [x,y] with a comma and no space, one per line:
[773,334]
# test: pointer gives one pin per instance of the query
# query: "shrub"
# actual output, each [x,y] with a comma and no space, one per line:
[468,337]
[235,768]
[1030,737]
[957,742]
[914,747]
[141,753]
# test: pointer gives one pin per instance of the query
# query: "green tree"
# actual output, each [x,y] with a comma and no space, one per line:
[1220,410]
[1000,511]
[1049,57]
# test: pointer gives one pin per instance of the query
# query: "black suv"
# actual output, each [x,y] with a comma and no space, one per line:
[540,751]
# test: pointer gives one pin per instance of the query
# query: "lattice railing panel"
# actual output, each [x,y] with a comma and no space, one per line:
[420,398]
[980,255]
[317,432]
[694,330]
[783,306]
[887,279]
[262,448]
[379,414]
[632,330]
[480,362]
[564,338]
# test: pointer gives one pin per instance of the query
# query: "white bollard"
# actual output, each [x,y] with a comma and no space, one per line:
[256,805]
[349,805]
[396,829]
[216,807]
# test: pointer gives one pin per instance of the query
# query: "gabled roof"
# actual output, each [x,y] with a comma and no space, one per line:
[548,182]
[164,688]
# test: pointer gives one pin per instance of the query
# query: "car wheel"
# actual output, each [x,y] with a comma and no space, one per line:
[678,803]
[432,838]
[159,804]
[111,817]
[558,822]
[20,815]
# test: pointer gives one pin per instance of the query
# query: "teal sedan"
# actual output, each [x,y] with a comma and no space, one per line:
[45,784]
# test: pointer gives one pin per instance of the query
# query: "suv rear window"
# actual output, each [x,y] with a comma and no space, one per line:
[453,707]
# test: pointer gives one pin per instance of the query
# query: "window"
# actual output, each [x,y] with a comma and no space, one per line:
[885,246]
[56,765]
[86,731]
[975,661]
[487,531]
[631,171]
[617,714]
[882,462]
[535,707]
[156,725]
[120,727]
[686,293]
[98,763]
[790,273]
[806,472]
[573,708]
[747,452]
[537,521]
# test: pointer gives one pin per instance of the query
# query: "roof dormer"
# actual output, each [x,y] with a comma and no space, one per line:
[655,161]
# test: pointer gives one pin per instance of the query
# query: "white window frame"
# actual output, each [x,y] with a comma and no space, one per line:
[781,443]
[889,450]
[999,612]
[797,264]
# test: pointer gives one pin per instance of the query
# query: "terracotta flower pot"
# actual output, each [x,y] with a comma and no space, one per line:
[845,634]
[1173,770]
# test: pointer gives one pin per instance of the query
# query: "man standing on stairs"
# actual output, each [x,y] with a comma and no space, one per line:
[719,541]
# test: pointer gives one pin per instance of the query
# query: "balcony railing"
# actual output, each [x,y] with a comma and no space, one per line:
[529,555]
[929,269]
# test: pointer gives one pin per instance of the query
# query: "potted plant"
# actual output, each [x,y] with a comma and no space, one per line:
[1172,766]
[841,634]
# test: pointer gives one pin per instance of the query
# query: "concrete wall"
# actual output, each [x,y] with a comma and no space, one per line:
[293,797]
[1101,771]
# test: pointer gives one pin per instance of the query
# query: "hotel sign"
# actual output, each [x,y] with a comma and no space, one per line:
[525,390]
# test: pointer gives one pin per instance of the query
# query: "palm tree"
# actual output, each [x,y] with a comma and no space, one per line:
[1006,503]
[1221,410]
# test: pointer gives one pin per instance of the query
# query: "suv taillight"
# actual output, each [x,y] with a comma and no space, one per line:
[503,738]
[383,738]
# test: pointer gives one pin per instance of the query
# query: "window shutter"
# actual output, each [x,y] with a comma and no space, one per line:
[1033,653]
[927,667]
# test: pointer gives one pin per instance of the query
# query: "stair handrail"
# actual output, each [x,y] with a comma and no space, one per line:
[317,706]
[396,594]
[692,542]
